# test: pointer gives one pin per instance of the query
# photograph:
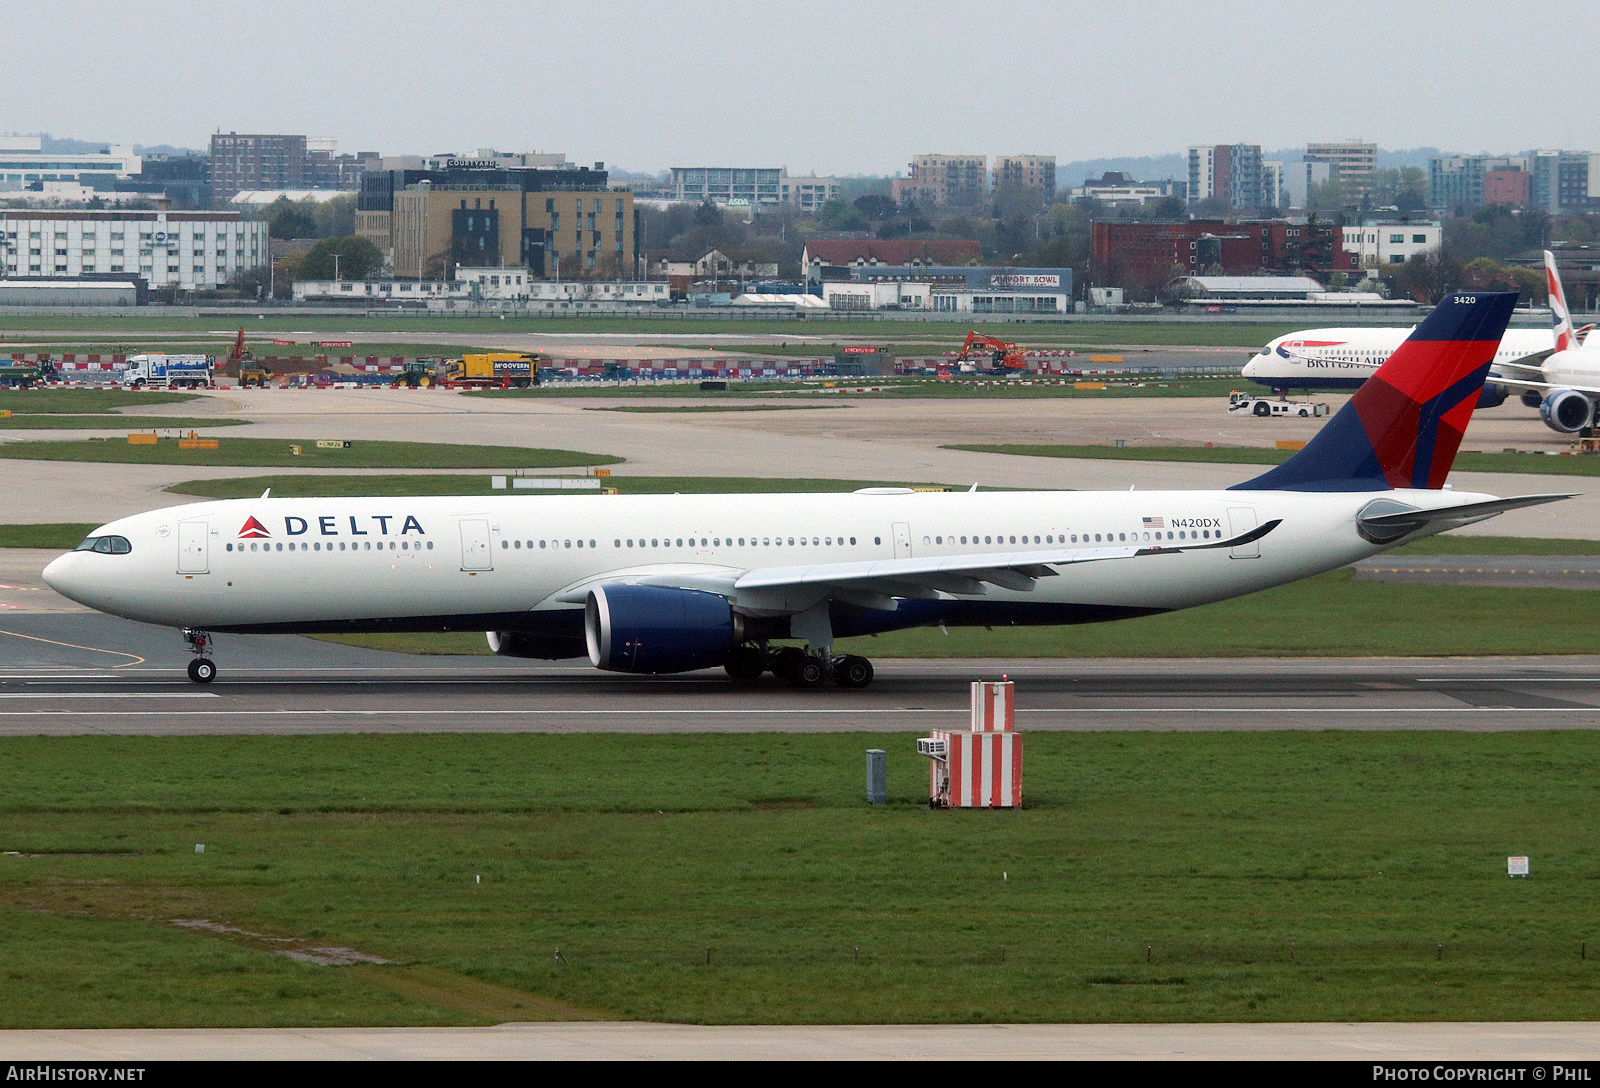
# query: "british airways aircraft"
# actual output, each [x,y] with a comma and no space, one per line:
[662,584]
[1551,371]
[1565,385]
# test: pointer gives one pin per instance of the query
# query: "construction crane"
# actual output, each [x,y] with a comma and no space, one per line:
[996,355]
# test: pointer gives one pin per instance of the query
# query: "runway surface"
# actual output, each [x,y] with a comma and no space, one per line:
[1528,1044]
[83,673]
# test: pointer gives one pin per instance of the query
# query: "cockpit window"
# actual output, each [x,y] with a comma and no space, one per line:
[106,545]
[1267,350]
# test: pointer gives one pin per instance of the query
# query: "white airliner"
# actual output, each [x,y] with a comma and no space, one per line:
[659,584]
[1549,369]
[1565,385]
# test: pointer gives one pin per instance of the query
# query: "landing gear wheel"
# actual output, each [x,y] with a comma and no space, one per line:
[202,670]
[745,664]
[812,673]
[851,671]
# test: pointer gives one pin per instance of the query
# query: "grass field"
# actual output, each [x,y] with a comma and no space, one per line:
[277,453]
[61,534]
[318,486]
[740,879]
[1467,461]
[305,327]
[303,351]
[914,388]
[83,401]
[106,422]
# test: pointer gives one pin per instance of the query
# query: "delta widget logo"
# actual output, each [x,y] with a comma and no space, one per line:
[253,529]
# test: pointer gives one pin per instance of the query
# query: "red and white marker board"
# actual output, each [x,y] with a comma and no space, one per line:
[980,770]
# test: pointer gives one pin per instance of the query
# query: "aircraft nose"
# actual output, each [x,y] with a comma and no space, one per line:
[58,575]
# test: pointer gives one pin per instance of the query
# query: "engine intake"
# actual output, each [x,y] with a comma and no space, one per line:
[1567,411]
[656,629]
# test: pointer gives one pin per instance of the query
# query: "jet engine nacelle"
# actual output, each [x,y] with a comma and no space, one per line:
[527,644]
[1493,396]
[1567,411]
[657,629]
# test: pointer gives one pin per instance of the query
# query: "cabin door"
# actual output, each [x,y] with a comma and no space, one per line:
[1241,519]
[192,552]
[475,553]
[902,540]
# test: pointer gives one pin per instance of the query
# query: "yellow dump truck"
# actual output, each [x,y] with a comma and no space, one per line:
[495,370]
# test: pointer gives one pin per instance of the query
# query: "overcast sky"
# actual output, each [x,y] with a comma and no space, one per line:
[814,85]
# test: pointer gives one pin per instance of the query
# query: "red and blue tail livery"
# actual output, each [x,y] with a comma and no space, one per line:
[1402,428]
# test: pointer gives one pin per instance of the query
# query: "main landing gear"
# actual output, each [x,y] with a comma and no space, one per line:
[801,668]
[202,670]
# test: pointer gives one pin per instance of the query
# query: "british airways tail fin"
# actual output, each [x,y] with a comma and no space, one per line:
[1560,316]
[1403,426]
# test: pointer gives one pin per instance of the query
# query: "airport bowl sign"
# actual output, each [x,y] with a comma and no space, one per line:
[1038,280]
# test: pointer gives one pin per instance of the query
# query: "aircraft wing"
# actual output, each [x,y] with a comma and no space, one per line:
[1530,383]
[1534,362]
[876,583]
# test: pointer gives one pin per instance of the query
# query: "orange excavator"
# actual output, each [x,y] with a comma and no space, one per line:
[990,354]
[250,371]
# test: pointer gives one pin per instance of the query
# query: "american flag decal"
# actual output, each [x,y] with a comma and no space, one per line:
[1155,523]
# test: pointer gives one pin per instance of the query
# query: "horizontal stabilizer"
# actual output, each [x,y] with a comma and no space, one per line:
[1386,520]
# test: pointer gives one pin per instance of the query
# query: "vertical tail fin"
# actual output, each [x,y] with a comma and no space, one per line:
[1403,426]
[1560,316]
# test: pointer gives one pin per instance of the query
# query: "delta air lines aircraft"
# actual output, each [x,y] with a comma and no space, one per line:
[757,583]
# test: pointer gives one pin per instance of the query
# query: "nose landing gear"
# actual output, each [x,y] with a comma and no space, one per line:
[202,670]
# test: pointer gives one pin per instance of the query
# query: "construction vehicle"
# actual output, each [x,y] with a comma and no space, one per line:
[250,371]
[18,375]
[494,370]
[416,374]
[991,355]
